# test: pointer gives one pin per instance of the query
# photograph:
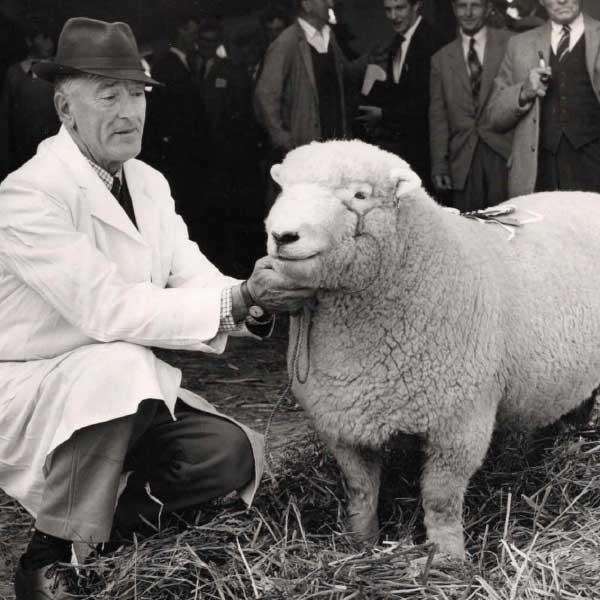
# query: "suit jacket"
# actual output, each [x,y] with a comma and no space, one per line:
[286,99]
[504,110]
[404,127]
[82,300]
[454,122]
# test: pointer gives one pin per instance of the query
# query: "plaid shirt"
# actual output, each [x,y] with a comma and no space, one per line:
[226,317]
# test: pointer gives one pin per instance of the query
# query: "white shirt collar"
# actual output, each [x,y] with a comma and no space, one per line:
[480,41]
[577,30]
[319,40]
[182,56]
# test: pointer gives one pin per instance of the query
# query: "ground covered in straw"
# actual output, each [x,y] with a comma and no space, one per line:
[532,517]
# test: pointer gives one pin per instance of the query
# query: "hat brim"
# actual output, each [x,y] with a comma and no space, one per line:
[49,71]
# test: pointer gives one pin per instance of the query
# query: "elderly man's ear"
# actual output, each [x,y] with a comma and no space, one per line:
[64,110]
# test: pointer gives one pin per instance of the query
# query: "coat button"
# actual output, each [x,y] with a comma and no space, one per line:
[533,148]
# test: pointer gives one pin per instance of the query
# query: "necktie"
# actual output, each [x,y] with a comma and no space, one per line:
[115,189]
[475,69]
[563,44]
[397,56]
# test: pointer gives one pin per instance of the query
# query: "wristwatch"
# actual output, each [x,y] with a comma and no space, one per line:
[256,313]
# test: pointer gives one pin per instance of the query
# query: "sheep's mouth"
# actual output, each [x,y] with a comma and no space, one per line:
[297,258]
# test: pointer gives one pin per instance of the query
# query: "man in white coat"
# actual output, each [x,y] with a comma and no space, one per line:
[95,269]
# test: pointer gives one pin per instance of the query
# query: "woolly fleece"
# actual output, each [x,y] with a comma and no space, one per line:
[430,323]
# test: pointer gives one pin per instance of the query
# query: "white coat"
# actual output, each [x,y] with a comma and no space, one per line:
[83,297]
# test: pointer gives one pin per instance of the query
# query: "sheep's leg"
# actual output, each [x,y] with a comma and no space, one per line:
[362,475]
[450,462]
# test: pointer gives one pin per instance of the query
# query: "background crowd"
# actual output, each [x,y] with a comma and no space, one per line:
[238,95]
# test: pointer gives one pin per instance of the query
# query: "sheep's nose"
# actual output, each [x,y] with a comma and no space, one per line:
[281,239]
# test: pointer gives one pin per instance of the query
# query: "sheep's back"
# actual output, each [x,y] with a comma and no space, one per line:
[550,309]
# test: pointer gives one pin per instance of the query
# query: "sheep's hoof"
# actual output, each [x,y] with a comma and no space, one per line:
[364,534]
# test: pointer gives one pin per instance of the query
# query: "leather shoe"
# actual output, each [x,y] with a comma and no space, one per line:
[47,583]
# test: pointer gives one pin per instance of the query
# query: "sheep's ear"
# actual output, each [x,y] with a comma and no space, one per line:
[405,181]
[276,173]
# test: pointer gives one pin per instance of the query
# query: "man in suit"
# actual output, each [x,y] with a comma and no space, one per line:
[548,90]
[467,157]
[95,269]
[395,111]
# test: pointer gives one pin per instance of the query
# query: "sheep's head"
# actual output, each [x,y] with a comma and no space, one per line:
[337,204]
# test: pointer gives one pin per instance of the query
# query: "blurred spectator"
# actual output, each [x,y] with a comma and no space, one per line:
[468,158]
[395,110]
[175,134]
[27,114]
[232,197]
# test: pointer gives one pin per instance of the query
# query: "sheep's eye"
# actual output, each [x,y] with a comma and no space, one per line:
[360,196]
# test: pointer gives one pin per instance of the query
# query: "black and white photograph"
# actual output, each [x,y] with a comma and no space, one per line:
[300,299]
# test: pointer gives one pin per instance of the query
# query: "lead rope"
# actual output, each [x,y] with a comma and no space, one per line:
[304,319]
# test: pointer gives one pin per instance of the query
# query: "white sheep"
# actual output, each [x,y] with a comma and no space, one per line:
[430,323]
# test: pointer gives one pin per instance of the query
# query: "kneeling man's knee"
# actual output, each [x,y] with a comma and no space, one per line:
[215,461]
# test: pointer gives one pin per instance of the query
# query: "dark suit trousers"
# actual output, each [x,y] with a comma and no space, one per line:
[569,168]
[181,463]
[487,182]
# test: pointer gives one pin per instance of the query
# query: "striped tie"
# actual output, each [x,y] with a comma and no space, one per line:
[563,45]
[475,70]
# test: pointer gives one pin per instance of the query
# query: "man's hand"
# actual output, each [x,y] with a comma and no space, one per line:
[370,115]
[536,85]
[442,183]
[275,292]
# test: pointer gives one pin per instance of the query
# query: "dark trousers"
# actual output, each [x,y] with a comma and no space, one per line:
[487,182]
[569,168]
[179,463]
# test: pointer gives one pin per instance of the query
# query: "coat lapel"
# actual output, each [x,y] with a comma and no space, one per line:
[458,64]
[592,45]
[102,204]
[147,214]
[306,56]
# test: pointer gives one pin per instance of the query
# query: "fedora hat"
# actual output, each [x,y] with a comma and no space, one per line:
[95,48]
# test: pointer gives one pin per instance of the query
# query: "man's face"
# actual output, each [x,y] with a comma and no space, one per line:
[401,13]
[470,14]
[562,11]
[108,120]
[319,10]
